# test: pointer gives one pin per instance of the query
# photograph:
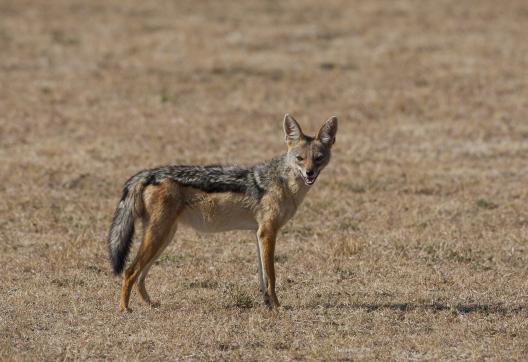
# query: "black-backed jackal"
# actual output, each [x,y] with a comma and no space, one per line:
[261,198]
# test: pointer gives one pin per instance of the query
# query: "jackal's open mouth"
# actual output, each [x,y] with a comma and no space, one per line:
[309,180]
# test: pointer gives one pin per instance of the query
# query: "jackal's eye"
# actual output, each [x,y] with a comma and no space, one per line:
[299,158]
[319,158]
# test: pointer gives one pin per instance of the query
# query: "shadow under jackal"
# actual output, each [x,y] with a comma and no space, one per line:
[215,198]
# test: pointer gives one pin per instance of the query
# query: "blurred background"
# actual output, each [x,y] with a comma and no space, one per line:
[412,244]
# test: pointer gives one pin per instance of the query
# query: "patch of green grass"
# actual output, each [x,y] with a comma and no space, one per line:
[238,297]
[204,284]
[347,225]
[281,258]
[486,204]
[164,97]
[344,273]
[463,257]
[68,282]
[63,38]
[352,187]
[243,300]
[427,191]
[169,259]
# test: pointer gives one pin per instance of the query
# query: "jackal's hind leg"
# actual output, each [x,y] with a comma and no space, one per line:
[126,286]
[149,249]
[162,206]
[140,283]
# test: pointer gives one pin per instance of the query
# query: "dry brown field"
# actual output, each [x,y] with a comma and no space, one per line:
[412,244]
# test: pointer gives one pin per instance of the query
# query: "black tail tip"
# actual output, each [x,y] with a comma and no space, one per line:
[118,264]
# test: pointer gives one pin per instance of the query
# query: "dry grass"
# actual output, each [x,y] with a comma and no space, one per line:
[412,245]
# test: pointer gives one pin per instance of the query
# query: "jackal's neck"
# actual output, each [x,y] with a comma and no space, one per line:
[292,181]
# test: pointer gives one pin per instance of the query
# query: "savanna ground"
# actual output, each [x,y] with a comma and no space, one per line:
[413,244]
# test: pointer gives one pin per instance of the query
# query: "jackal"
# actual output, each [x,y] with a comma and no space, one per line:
[261,198]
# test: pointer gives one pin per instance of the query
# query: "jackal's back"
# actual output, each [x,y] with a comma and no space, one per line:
[250,180]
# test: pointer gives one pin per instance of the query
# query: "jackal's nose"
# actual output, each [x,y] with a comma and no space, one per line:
[310,173]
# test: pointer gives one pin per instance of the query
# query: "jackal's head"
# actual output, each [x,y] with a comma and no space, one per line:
[309,155]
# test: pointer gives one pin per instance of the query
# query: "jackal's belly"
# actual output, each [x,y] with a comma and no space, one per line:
[226,221]
[218,213]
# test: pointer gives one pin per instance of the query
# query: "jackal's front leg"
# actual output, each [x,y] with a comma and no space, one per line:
[266,235]
[262,286]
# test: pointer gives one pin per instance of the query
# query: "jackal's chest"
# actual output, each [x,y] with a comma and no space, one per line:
[218,212]
[288,209]
[286,203]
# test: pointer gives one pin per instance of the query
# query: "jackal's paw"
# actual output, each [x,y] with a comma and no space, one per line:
[271,303]
[267,300]
[125,309]
[155,304]
[276,303]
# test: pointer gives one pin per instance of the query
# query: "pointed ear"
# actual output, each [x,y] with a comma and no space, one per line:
[328,131]
[292,130]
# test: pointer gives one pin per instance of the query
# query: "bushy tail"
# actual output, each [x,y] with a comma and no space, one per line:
[122,230]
